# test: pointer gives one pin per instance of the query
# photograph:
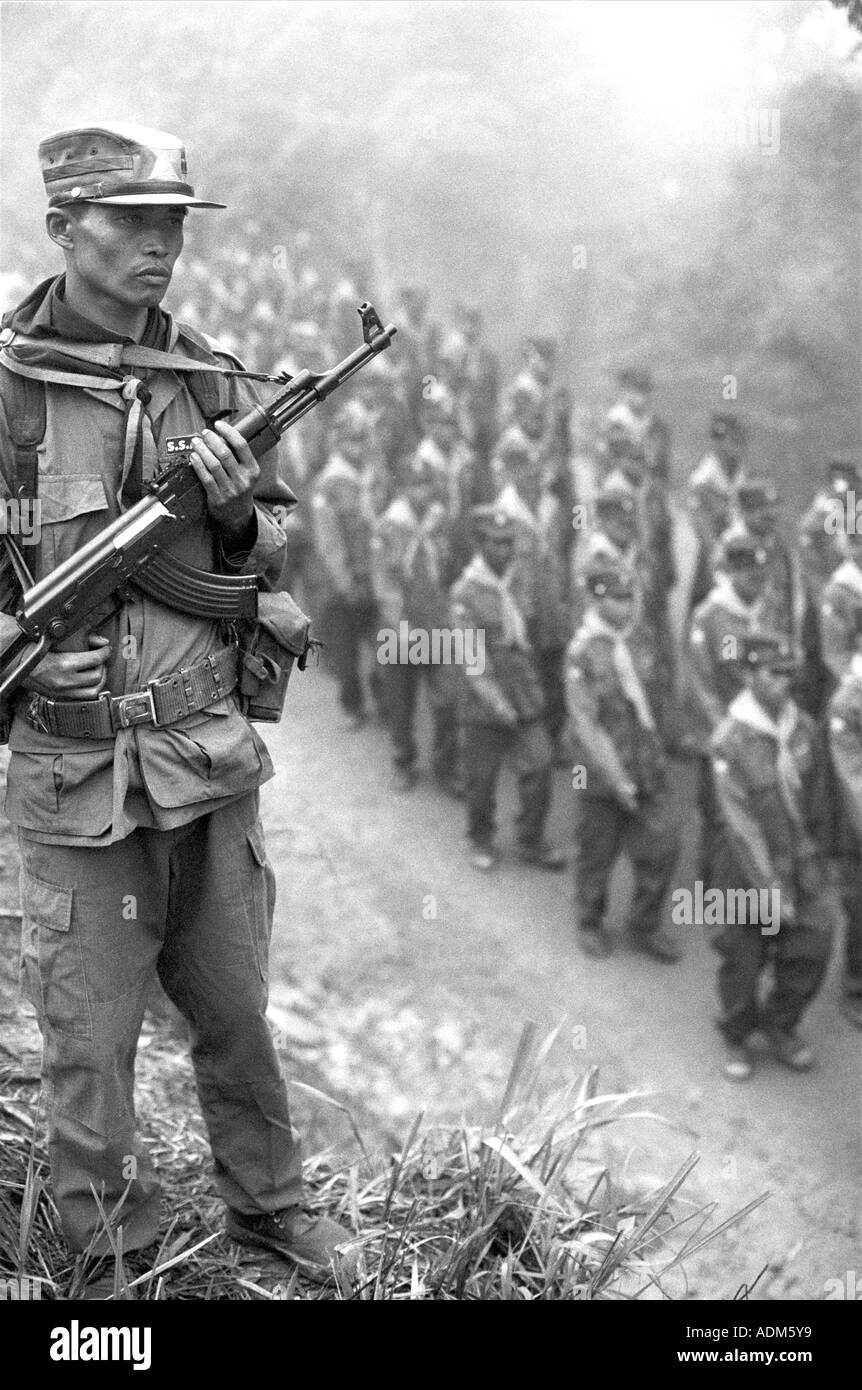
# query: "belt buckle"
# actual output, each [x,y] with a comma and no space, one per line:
[137,708]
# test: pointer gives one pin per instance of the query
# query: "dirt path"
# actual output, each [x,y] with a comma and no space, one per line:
[427,972]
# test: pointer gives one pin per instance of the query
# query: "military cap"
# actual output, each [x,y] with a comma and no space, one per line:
[438,401]
[420,467]
[513,445]
[616,498]
[759,651]
[844,473]
[725,424]
[352,419]
[738,550]
[525,387]
[118,164]
[491,520]
[609,581]
[545,347]
[756,492]
[636,378]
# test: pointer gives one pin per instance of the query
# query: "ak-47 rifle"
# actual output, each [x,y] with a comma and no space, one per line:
[131,549]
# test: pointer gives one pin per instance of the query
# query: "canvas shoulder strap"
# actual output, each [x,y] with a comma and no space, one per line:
[24,404]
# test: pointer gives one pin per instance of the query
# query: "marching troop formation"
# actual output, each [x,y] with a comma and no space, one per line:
[620,630]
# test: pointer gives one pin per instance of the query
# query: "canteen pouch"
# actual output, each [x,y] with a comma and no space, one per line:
[268,647]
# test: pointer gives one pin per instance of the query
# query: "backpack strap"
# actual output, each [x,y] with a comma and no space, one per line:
[26,414]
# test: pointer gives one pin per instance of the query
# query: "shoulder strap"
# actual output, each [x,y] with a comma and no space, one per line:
[24,403]
[212,391]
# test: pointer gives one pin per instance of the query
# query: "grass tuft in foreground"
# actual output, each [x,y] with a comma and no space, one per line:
[521,1209]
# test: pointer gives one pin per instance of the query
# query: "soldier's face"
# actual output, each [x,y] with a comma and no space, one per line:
[637,401]
[771,688]
[761,521]
[499,552]
[125,255]
[618,527]
[617,609]
[748,583]
[354,444]
[531,417]
[528,484]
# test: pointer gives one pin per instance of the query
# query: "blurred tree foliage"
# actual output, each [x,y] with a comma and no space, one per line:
[475,147]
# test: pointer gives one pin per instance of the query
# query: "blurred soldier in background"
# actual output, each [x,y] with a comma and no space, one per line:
[845,739]
[840,601]
[502,706]
[731,611]
[623,803]
[411,557]
[418,343]
[634,415]
[540,575]
[480,370]
[769,790]
[712,484]
[823,525]
[788,610]
[343,523]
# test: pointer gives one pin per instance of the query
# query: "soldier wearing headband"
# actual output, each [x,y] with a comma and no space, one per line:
[142,849]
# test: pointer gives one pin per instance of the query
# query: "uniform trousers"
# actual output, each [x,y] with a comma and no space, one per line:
[403,681]
[193,905]
[799,956]
[346,627]
[484,749]
[605,830]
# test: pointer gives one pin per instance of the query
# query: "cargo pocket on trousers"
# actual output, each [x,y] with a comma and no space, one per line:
[47,926]
[263,899]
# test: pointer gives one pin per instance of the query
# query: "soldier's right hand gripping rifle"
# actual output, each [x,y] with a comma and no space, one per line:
[134,549]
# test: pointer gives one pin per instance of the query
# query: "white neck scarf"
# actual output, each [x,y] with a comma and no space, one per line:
[514,628]
[747,710]
[849,576]
[630,683]
[724,594]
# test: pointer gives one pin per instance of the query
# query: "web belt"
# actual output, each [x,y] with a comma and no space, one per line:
[162,701]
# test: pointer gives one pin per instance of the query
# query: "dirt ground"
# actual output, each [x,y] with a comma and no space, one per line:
[401,981]
[432,970]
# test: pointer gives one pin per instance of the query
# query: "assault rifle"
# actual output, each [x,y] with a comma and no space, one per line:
[131,550]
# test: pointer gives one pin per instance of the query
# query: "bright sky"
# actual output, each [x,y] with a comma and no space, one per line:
[668,56]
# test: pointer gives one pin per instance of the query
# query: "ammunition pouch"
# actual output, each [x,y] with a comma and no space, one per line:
[269,646]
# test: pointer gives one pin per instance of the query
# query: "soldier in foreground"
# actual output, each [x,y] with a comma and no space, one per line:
[134,777]
[769,791]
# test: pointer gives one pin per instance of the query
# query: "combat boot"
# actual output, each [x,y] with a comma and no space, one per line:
[308,1240]
[597,943]
[791,1050]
